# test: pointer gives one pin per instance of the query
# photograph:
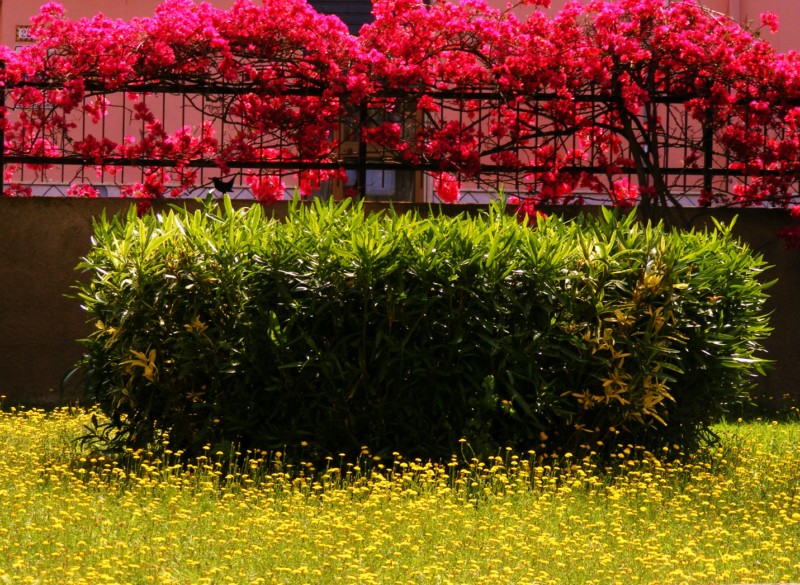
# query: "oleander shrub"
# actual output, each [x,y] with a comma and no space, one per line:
[336,329]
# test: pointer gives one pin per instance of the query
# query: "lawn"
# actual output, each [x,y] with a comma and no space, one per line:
[726,515]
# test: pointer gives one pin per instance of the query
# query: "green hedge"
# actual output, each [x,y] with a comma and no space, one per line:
[337,329]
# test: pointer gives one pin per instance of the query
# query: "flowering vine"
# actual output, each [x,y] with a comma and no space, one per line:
[635,101]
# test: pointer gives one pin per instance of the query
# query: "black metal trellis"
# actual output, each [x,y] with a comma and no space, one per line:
[358,155]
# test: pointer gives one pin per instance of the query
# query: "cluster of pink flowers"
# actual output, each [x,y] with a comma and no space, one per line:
[565,105]
[525,208]
[267,188]
[447,187]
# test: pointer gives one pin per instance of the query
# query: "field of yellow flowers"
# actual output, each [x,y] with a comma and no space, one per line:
[729,515]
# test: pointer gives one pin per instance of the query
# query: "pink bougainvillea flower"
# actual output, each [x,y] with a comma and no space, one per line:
[526,209]
[77,190]
[267,189]
[770,20]
[624,193]
[447,187]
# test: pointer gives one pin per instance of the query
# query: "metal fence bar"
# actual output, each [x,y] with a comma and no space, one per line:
[362,159]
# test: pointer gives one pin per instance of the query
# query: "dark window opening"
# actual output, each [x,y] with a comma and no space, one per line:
[354,13]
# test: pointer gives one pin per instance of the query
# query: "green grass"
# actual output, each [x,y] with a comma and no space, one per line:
[730,515]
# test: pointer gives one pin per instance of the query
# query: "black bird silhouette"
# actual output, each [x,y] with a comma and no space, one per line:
[223,187]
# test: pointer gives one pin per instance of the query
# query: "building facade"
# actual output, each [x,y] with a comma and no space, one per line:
[15,16]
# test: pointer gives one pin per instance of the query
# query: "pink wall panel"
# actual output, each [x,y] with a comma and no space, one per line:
[14,13]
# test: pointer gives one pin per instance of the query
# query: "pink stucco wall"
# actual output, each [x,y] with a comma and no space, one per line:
[14,13]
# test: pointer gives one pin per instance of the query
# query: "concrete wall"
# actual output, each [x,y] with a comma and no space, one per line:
[42,240]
